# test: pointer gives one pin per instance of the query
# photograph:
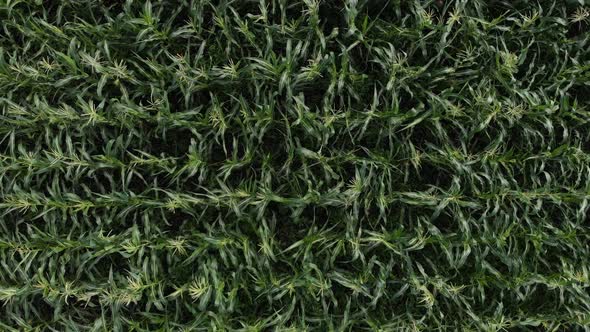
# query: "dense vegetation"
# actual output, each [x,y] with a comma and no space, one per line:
[259,165]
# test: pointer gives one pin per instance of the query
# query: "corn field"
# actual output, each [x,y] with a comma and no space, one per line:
[304,165]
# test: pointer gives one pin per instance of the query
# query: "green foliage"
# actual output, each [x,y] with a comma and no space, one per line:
[216,165]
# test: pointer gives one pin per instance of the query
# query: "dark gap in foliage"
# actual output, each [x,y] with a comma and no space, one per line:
[115,5]
[497,8]
[222,149]
[481,141]
[97,269]
[274,145]
[314,95]
[43,310]
[430,174]
[180,222]
[287,231]
[446,222]
[174,143]
[331,17]
[383,10]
